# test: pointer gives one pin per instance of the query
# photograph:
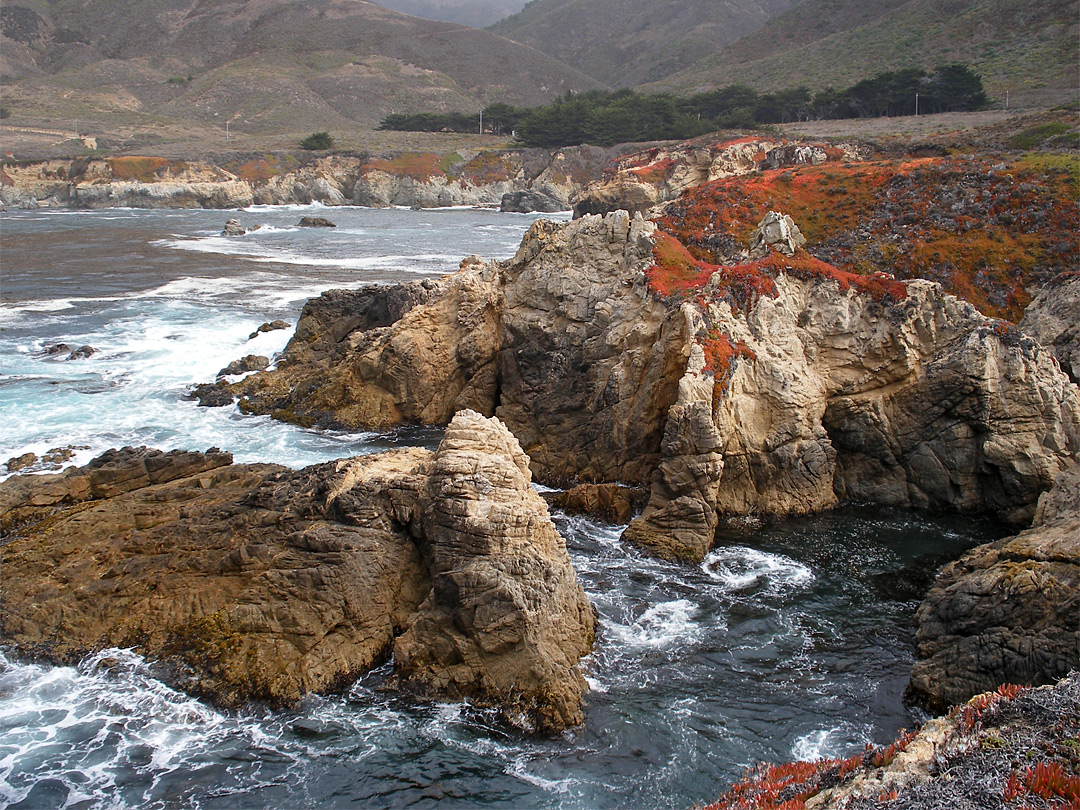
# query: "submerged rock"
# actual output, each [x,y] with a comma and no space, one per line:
[316,222]
[254,582]
[1005,612]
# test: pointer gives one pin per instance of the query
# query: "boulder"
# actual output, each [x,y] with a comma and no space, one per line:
[528,201]
[82,353]
[315,222]
[611,503]
[248,363]
[776,232]
[506,621]
[233,227]
[271,326]
[256,583]
[211,395]
[1005,612]
[23,462]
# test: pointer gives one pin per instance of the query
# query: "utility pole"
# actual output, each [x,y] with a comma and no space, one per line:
[226,130]
[916,105]
[481,122]
[1006,99]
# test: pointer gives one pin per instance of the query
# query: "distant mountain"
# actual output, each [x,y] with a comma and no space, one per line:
[477,13]
[1029,49]
[264,65]
[627,42]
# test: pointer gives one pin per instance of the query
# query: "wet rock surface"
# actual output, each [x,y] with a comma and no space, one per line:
[1005,612]
[256,583]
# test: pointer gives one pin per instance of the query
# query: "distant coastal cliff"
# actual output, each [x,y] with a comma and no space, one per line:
[528,179]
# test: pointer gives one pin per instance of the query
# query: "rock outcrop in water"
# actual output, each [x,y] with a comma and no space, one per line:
[254,582]
[776,387]
[1006,612]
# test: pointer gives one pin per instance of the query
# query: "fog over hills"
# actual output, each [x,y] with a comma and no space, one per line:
[627,42]
[477,13]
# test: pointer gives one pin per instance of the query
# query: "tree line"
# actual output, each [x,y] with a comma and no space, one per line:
[604,118]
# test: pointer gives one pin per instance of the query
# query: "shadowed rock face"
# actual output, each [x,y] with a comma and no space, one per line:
[814,392]
[1006,612]
[253,582]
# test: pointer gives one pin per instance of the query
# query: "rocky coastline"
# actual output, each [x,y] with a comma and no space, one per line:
[667,377]
[521,180]
[256,583]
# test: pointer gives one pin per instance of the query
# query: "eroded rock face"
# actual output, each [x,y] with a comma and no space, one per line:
[506,621]
[641,181]
[254,582]
[1006,612]
[814,389]
[1053,319]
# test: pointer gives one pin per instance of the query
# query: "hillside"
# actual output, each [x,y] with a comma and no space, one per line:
[627,42]
[477,13]
[1026,49]
[261,65]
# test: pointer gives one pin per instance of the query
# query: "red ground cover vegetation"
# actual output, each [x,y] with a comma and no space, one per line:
[985,230]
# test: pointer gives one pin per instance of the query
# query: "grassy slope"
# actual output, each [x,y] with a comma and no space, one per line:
[1027,49]
[263,65]
[625,42]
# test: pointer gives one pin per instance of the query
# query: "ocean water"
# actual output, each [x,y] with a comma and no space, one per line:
[791,640]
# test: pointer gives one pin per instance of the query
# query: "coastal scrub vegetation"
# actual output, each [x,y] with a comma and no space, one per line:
[605,118]
[986,231]
[317,141]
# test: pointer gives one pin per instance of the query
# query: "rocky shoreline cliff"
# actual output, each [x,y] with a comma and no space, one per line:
[526,179]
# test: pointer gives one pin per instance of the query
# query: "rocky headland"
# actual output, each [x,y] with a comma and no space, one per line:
[257,583]
[773,387]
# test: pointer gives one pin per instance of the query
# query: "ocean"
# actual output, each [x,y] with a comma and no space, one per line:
[792,641]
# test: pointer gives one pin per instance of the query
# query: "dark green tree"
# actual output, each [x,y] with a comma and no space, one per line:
[317,140]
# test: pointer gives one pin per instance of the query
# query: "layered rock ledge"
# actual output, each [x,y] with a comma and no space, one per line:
[774,387]
[254,582]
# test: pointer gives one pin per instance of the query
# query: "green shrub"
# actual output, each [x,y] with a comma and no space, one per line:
[317,140]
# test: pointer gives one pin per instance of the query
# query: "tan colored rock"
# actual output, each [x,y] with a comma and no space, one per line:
[253,582]
[506,621]
[820,392]
[1006,612]
[611,503]
[680,519]
[1053,319]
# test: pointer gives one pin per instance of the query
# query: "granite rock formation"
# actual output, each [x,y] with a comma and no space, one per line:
[643,180]
[254,582]
[1053,319]
[780,387]
[1008,611]
[505,621]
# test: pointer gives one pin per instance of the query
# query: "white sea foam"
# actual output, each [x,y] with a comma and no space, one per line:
[738,568]
[661,625]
